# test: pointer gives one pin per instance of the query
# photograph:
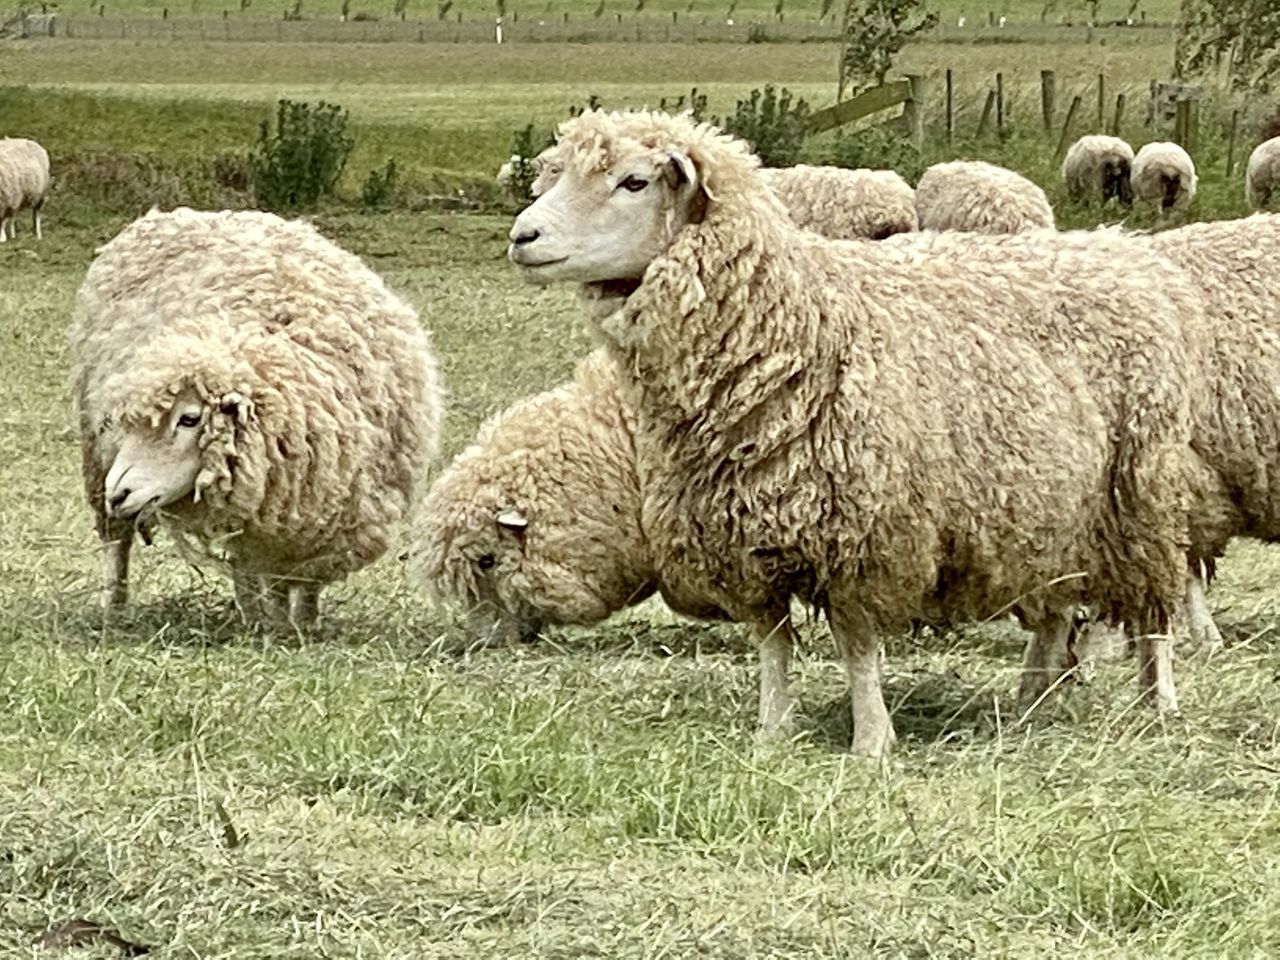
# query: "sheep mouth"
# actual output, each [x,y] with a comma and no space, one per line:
[518,259]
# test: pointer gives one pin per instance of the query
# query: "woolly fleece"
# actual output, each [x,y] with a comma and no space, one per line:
[847,424]
[1088,162]
[845,204]
[324,394]
[1262,176]
[978,197]
[1163,174]
[24,177]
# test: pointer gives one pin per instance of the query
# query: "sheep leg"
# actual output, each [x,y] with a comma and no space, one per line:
[776,707]
[304,605]
[35,220]
[115,565]
[1046,658]
[1204,632]
[873,734]
[1155,672]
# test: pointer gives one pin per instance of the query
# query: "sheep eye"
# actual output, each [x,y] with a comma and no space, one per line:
[189,420]
[487,561]
[633,184]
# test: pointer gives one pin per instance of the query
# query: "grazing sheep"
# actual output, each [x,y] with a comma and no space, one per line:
[538,521]
[1263,174]
[977,197]
[879,429]
[257,389]
[1163,174]
[845,204]
[24,181]
[1097,169]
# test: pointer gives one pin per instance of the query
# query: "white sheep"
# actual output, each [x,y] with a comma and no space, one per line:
[879,429]
[1164,175]
[845,204]
[978,197]
[258,390]
[24,182]
[1097,168]
[1262,176]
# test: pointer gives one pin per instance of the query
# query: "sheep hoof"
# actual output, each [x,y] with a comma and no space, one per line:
[873,741]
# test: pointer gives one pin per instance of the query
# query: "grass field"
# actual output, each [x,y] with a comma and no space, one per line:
[383,791]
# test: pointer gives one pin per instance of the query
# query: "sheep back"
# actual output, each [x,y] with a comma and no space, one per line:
[1092,163]
[978,197]
[1262,175]
[845,204]
[1163,174]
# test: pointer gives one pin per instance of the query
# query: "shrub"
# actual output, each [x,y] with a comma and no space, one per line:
[526,143]
[693,102]
[772,123]
[877,148]
[380,186]
[299,161]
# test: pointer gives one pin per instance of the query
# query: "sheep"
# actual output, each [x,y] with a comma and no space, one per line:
[257,389]
[537,521]
[1097,168]
[951,424]
[24,181]
[978,197]
[1163,174]
[1263,174]
[845,204]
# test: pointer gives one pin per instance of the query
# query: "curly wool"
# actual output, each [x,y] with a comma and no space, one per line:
[879,427]
[324,394]
[564,460]
[1163,174]
[1090,161]
[1262,176]
[845,204]
[1237,414]
[24,176]
[978,197]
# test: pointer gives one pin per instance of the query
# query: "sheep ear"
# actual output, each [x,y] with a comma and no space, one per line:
[514,521]
[680,170]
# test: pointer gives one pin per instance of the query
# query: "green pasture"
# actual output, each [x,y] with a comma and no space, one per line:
[385,790]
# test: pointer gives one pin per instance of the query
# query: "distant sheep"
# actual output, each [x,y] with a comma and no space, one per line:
[845,204]
[258,390]
[1097,169]
[24,182]
[972,196]
[1163,174]
[1262,176]
[882,430]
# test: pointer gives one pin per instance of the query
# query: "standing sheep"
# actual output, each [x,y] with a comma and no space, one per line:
[24,181]
[845,204]
[1163,174]
[875,428]
[259,390]
[977,197]
[1097,169]
[1262,176]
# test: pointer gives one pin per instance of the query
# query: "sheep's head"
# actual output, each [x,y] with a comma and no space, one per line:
[161,457]
[614,192]
[1115,181]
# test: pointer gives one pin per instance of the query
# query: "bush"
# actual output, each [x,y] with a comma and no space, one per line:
[772,123]
[694,103]
[299,161]
[877,148]
[526,143]
[380,186]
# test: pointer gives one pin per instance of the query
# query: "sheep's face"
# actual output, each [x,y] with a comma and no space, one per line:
[599,226]
[156,464]
[1115,182]
[486,560]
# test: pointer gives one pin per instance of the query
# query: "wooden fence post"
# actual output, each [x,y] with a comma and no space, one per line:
[913,110]
[1181,116]
[1000,104]
[1102,101]
[951,108]
[1231,142]
[1048,94]
[986,112]
[1118,115]
[1072,110]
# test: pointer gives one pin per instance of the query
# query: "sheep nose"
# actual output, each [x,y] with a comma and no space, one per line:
[525,237]
[118,500]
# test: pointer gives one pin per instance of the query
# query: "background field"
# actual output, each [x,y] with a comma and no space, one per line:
[382,790]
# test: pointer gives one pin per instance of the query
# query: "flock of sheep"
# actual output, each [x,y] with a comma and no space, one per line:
[974,415]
